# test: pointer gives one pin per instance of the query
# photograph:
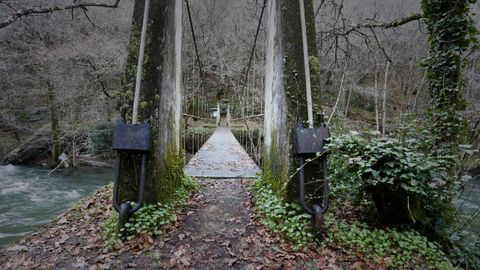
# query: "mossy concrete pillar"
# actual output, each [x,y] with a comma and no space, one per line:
[229,116]
[160,102]
[285,97]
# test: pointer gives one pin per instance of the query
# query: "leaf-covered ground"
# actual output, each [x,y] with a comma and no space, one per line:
[216,230]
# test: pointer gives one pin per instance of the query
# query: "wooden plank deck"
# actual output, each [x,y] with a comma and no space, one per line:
[222,157]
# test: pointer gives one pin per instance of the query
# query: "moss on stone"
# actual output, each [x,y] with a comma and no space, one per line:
[170,175]
[275,169]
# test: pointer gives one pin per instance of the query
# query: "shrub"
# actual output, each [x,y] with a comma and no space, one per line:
[409,182]
[399,179]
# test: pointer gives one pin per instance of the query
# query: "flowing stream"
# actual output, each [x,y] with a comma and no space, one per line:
[29,197]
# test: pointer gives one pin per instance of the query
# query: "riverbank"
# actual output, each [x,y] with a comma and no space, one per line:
[68,238]
[30,197]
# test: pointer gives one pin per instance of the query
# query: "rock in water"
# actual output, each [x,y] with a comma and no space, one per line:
[33,149]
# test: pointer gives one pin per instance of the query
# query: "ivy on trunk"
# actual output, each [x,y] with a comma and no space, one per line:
[451,33]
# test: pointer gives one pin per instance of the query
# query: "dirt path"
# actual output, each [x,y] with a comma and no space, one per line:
[219,233]
[215,231]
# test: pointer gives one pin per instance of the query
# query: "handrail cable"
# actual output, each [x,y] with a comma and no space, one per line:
[248,68]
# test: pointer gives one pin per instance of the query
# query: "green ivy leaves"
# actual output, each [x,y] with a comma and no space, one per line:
[280,217]
[149,219]
[392,248]
[388,161]
[395,249]
[451,33]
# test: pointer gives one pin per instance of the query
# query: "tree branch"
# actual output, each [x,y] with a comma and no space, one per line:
[38,10]
[393,24]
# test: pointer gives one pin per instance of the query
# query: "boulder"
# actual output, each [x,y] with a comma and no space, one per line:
[36,147]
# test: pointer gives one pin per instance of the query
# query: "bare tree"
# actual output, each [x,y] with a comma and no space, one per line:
[23,12]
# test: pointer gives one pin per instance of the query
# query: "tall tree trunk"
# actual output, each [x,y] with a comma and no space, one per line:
[55,126]
[384,101]
[377,118]
[451,31]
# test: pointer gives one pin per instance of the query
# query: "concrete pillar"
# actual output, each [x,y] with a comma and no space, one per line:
[284,87]
[218,114]
[161,100]
[229,116]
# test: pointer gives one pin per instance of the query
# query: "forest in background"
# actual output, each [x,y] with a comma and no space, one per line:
[83,57]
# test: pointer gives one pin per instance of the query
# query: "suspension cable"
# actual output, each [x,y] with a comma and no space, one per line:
[253,47]
[138,79]
[200,66]
[306,65]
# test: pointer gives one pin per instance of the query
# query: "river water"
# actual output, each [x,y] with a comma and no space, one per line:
[469,202]
[29,197]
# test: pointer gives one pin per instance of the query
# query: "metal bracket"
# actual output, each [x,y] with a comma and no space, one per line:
[130,138]
[309,141]
[123,215]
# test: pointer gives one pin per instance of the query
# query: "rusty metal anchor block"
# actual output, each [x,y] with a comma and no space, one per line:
[310,142]
[130,138]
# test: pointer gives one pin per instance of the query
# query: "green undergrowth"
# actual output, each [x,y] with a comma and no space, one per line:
[408,184]
[281,217]
[149,219]
[391,248]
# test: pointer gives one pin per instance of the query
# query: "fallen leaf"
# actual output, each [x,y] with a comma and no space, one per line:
[172,262]
[180,251]
[230,262]
[80,263]
[185,261]
[104,266]
[75,251]
[226,243]
[63,220]
[16,248]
